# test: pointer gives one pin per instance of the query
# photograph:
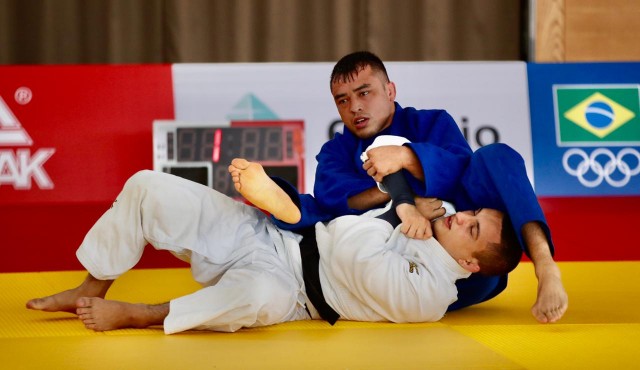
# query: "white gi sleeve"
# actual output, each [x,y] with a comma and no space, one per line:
[377,273]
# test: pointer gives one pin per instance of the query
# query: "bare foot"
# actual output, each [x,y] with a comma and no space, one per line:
[252,182]
[65,301]
[101,315]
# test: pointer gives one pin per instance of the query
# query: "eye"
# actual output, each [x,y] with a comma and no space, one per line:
[364,93]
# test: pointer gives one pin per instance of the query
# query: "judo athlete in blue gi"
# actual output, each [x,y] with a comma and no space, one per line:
[437,162]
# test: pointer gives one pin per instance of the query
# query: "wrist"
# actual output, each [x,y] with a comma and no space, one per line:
[547,269]
[406,158]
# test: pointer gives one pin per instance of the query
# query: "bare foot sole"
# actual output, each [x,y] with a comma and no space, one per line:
[254,184]
[101,315]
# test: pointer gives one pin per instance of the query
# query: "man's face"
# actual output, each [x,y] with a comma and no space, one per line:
[467,232]
[366,103]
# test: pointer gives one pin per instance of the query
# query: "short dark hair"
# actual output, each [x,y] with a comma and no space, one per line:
[348,66]
[501,258]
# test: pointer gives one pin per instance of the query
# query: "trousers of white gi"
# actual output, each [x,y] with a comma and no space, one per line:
[250,271]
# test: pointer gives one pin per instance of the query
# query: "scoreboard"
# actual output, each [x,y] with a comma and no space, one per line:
[202,151]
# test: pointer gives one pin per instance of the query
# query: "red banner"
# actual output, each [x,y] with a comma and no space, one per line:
[69,138]
[89,128]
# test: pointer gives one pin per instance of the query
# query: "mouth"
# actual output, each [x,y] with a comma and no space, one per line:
[360,122]
[446,221]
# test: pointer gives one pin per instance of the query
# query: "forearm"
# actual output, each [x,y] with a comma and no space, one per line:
[552,300]
[368,199]
[397,186]
[539,250]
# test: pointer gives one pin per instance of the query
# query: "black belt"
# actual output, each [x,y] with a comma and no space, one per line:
[311,274]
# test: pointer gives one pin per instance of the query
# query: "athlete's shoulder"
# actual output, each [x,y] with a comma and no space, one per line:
[340,144]
[425,113]
[412,113]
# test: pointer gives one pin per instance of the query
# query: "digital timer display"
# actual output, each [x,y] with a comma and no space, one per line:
[224,144]
[202,152]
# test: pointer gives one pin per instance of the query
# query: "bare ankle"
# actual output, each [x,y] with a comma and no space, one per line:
[92,287]
[65,300]
[154,314]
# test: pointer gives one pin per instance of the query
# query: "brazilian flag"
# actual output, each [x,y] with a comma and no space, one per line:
[597,115]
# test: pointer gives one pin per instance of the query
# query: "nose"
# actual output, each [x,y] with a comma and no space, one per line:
[356,106]
[464,217]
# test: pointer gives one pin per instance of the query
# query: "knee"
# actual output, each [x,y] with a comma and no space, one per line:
[495,148]
[145,183]
[497,152]
[140,179]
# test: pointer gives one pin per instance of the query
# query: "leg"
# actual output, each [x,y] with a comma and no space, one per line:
[252,182]
[66,300]
[169,213]
[213,231]
[172,214]
[260,290]
[247,296]
[113,245]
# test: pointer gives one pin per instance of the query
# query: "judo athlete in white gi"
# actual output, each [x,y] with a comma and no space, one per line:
[251,271]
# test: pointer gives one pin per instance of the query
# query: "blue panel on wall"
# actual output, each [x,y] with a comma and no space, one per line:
[585,127]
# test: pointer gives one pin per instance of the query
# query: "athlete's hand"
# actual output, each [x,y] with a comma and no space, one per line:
[384,160]
[414,224]
[430,208]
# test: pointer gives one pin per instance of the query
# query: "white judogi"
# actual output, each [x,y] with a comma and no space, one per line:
[371,272]
[251,271]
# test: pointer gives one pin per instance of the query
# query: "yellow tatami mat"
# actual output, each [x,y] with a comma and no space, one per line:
[600,330]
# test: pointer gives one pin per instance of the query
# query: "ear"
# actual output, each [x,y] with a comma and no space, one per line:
[391,91]
[470,264]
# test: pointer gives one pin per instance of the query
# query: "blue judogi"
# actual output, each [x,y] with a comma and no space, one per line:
[492,177]
[496,178]
[436,140]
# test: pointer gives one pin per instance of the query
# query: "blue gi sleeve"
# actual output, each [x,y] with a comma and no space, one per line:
[339,175]
[442,150]
[496,178]
[309,208]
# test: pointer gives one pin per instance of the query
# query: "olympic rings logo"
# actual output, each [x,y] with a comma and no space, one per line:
[590,164]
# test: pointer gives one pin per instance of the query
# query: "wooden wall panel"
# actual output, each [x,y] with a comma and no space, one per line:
[587,30]
[549,34]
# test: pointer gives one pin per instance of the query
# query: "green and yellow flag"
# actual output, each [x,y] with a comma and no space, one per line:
[597,115]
